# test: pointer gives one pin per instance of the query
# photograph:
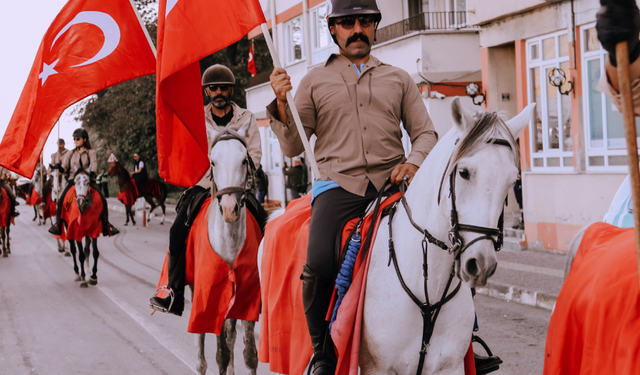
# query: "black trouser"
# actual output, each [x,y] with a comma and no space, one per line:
[330,211]
[105,189]
[104,217]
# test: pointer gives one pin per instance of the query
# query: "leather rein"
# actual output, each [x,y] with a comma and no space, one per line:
[456,247]
[241,191]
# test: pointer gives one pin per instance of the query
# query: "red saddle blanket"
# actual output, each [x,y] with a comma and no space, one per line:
[219,292]
[5,210]
[129,195]
[150,187]
[595,325]
[284,338]
[34,198]
[49,209]
[80,225]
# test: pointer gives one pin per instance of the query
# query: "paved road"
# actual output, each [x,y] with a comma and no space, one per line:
[50,326]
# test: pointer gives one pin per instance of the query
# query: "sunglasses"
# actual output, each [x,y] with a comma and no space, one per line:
[77,138]
[223,88]
[349,22]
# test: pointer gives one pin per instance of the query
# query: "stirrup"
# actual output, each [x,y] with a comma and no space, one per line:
[484,345]
[162,308]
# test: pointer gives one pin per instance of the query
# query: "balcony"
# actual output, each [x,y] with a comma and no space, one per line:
[421,22]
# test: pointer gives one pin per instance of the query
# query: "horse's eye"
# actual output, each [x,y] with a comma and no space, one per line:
[464,173]
[213,164]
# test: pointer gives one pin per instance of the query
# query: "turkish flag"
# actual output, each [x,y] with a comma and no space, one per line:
[91,45]
[251,64]
[187,32]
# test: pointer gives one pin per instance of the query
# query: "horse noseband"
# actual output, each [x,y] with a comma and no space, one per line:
[242,193]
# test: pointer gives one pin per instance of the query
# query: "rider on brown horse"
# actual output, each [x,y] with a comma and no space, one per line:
[82,157]
[221,113]
[4,179]
[139,172]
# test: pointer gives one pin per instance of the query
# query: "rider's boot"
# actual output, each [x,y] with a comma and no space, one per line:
[316,297]
[173,303]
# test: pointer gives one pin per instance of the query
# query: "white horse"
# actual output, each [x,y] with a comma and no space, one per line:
[227,232]
[56,190]
[469,173]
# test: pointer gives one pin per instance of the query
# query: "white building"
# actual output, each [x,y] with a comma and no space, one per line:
[430,39]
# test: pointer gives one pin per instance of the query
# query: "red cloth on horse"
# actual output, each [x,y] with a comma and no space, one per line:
[129,195]
[219,292]
[34,198]
[594,326]
[5,209]
[150,187]
[49,206]
[284,338]
[78,226]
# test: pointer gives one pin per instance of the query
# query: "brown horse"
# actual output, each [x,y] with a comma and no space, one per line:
[129,192]
[5,221]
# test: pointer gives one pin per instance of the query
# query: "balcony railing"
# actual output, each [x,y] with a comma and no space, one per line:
[423,21]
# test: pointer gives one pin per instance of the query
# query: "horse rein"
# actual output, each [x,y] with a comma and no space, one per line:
[241,191]
[457,246]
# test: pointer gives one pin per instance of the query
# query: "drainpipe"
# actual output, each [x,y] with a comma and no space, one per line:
[573,36]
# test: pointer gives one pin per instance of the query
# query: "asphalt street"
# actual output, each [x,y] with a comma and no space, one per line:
[50,326]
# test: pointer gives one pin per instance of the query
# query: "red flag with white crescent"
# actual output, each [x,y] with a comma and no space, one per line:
[90,45]
[187,32]
[251,64]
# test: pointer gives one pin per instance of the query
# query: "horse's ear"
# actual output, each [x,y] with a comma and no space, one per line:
[244,129]
[461,117]
[518,123]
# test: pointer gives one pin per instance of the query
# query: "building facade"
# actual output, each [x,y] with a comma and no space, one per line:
[430,39]
[573,153]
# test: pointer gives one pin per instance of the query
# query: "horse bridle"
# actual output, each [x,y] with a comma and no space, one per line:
[457,246]
[241,191]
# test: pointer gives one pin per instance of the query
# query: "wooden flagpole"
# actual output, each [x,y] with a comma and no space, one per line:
[294,111]
[622,59]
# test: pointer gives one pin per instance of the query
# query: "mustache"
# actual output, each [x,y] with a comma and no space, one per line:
[219,97]
[357,36]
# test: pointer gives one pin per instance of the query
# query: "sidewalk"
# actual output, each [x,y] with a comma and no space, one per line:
[115,205]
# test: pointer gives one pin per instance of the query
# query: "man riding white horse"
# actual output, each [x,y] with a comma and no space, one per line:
[221,113]
[82,157]
[354,104]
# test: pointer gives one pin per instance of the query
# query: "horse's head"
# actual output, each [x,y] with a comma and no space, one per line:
[113,169]
[83,190]
[230,168]
[482,170]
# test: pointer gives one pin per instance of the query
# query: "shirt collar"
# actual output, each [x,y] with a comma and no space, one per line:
[338,61]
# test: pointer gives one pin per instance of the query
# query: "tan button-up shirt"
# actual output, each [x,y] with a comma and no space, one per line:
[357,122]
[75,159]
[57,158]
[240,117]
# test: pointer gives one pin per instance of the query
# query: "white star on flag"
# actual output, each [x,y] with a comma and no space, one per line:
[47,70]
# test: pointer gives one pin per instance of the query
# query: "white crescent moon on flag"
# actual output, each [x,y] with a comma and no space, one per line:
[170,5]
[108,26]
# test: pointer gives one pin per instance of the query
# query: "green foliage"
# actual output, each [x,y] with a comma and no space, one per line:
[121,119]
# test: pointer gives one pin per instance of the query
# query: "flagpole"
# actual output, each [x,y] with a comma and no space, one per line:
[144,28]
[292,105]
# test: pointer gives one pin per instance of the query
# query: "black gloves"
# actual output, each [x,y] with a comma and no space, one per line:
[619,21]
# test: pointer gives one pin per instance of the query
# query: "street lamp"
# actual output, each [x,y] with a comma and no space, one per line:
[473,91]
[557,78]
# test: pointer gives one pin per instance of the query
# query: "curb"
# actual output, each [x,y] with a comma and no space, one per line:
[519,295]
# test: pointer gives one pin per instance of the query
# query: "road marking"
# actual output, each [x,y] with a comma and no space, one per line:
[534,269]
[151,328]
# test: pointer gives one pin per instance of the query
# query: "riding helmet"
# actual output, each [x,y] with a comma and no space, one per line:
[218,75]
[341,8]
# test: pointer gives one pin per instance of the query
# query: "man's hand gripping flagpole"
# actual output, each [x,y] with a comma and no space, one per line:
[296,117]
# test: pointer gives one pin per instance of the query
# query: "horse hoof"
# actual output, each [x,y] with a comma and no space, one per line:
[78,278]
[84,284]
[60,250]
[93,281]
[126,224]
[5,255]
[162,223]
[67,254]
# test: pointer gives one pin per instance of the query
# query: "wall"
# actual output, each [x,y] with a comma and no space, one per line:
[502,79]
[481,11]
[558,205]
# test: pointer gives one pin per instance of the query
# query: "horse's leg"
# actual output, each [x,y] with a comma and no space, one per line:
[223,354]
[35,212]
[93,280]
[250,351]
[72,247]
[133,216]
[201,367]
[4,235]
[164,209]
[149,199]
[231,343]
[81,257]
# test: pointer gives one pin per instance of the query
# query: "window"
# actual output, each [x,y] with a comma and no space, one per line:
[275,154]
[321,42]
[457,12]
[551,142]
[604,133]
[293,35]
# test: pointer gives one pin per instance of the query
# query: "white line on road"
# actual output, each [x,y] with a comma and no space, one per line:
[151,328]
[534,269]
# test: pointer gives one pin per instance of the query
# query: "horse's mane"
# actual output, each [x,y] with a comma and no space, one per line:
[80,170]
[488,126]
